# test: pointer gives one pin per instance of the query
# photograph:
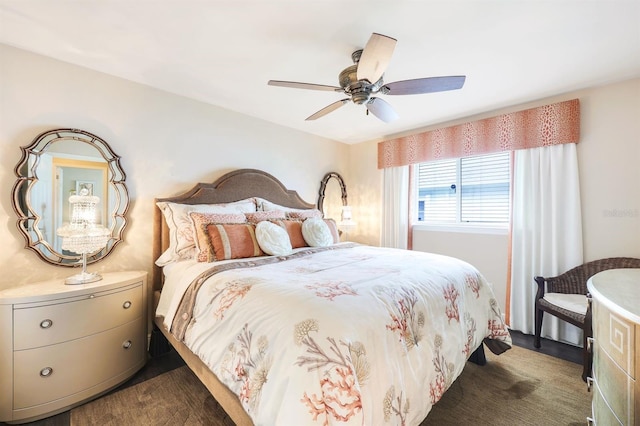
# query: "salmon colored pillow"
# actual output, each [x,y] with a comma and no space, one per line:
[200,222]
[232,241]
[294,229]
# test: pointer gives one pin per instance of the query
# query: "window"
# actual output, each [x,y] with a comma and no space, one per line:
[465,190]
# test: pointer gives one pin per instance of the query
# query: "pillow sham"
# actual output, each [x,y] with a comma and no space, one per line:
[316,232]
[333,228]
[231,241]
[294,229]
[181,236]
[266,205]
[200,222]
[273,239]
[256,217]
[304,214]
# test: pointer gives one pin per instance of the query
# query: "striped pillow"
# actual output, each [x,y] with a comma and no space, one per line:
[200,222]
[232,241]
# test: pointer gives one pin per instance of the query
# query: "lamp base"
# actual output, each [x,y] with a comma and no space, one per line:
[83,278]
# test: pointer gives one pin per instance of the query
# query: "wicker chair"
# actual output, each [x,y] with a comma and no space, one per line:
[563,289]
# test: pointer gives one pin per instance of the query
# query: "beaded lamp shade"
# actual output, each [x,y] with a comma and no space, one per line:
[83,234]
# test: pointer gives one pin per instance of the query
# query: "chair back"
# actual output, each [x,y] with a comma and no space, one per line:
[574,281]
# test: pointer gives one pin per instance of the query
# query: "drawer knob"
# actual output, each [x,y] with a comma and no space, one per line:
[126,304]
[46,323]
[127,344]
[590,341]
[589,384]
[46,372]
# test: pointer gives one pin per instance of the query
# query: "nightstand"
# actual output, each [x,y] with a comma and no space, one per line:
[616,346]
[62,345]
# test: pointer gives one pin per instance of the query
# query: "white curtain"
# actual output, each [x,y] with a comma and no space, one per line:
[395,207]
[546,231]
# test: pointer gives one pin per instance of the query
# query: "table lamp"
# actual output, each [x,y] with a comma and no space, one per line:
[83,235]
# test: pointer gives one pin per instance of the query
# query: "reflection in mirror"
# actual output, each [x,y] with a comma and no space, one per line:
[59,163]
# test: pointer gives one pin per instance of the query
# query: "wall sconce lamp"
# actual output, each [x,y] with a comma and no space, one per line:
[83,235]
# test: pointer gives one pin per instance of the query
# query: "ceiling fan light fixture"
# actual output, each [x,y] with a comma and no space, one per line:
[370,64]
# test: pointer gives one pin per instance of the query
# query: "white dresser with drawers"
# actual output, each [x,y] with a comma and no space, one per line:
[61,345]
[616,347]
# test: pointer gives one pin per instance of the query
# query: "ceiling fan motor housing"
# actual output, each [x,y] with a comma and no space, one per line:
[360,90]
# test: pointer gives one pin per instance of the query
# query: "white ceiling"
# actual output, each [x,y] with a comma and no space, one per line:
[224,52]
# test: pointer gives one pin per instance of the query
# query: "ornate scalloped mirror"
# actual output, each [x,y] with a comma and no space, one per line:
[59,163]
[327,186]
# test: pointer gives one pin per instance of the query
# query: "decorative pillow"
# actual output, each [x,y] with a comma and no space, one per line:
[304,214]
[232,241]
[294,229]
[181,236]
[273,239]
[200,222]
[333,228]
[316,232]
[256,217]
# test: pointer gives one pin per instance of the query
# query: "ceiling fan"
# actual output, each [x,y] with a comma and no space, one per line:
[365,78]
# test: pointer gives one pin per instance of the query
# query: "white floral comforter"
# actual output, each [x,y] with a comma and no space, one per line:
[355,335]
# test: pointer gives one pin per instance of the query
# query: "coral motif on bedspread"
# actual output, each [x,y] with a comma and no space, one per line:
[344,370]
[395,405]
[246,367]
[474,283]
[232,291]
[357,336]
[444,370]
[332,289]
[451,295]
[406,321]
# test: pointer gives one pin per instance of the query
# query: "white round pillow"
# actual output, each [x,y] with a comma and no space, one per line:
[273,239]
[316,232]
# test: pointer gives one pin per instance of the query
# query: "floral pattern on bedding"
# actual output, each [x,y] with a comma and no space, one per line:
[406,322]
[344,369]
[246,365]
[347,336]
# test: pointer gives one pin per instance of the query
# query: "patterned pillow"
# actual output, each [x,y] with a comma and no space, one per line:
[316,232]
[294,229]
[304,214]
[181,235]
[256,217]
[200,222]
[273,239]
[232,241]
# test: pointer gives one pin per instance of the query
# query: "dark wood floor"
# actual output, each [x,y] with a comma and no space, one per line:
[170,360]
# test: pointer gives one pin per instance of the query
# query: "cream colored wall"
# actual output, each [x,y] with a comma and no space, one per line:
[167,144]
[609,162]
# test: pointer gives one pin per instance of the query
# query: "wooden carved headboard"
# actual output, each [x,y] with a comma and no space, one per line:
[233,186]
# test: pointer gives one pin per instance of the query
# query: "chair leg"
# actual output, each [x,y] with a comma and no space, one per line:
[538,318]
[586,353]
[586,361]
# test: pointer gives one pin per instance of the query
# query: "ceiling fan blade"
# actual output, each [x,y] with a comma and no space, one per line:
[425,85]
[381,109]
[329,108]
[309,86]
[375,57]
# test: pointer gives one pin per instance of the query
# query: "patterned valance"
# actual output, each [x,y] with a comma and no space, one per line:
[532,128]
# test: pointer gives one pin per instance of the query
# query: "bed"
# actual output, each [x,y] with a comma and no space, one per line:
[322,333]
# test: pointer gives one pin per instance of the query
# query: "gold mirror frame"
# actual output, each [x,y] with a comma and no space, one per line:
[29,221]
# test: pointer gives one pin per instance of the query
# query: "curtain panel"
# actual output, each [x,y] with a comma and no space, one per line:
[547,125]
[546,236]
